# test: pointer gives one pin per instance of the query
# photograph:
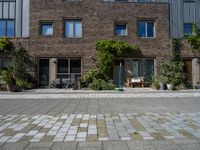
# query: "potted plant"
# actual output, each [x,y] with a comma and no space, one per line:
[8,77]
[197,86]
[155,83]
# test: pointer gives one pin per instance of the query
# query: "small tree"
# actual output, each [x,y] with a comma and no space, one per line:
[19,62]
[194,39]
[172,72]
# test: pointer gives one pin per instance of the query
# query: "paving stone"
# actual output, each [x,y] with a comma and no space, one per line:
[189,146]
[14,146]
[64,146]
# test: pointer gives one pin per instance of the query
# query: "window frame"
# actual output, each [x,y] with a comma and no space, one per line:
[115,28]
[69,72]
[74,30]
[184,34]
[6,27]
[46,23]
[146,28]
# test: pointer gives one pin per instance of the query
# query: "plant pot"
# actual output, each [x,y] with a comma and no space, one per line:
[162,86]
[155,86]
[11,87]
[169,86]
[198,87]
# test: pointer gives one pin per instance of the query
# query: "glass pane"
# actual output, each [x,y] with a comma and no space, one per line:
[142,28]
[188,29]
[47,29]
[69,29]
[121,30]
[62,66]
[149,69]
[10,28]
[150,29]
[137,68]
[78,28]
[2,28]
[75,66]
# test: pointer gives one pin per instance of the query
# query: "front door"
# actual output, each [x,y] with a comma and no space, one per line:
[43,72]
[119,72]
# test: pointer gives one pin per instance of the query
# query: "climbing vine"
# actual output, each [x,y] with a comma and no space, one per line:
[107,52]
[194,39]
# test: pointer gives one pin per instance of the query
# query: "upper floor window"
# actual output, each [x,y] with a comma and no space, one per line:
[121,29]
[46,29]
[146,28]
[73,28]
[188,28]
[7,28]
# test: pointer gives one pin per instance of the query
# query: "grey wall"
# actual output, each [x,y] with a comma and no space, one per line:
[19,11]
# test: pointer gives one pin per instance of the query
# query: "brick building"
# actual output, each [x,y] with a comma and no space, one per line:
[60,35]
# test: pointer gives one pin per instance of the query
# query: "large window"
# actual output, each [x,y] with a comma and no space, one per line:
[68,67]
[143,68]
[73,28]
[188,28]
[46,29]
[121,29]
[146,29]
[7,28]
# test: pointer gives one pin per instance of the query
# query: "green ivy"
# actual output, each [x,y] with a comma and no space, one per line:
[194,39]
[107,52]
[6,47]
[176,53]
[19,63]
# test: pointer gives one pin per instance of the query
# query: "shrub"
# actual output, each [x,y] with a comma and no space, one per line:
[89,77]
[6,47]
[172,73]
[194,40]
[7,76]
[102,85]
[23,84]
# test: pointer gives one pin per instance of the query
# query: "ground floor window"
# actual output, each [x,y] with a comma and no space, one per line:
[143,68]
[68,67]
[5,63]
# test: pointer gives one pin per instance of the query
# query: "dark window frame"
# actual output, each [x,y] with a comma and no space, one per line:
[46,23]
[118,24]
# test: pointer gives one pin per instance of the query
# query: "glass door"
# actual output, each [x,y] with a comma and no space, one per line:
[43,72]
[119,72]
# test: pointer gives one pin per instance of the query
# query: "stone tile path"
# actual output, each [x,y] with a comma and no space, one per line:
[99,127]
[98,95]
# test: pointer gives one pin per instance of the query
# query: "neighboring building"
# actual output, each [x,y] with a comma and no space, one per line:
[60,35]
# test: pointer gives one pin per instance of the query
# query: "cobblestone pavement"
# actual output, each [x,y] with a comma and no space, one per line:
[100,127]
[98,95]
[100,123]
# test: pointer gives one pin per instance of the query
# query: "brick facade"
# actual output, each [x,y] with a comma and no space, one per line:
[98,23]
